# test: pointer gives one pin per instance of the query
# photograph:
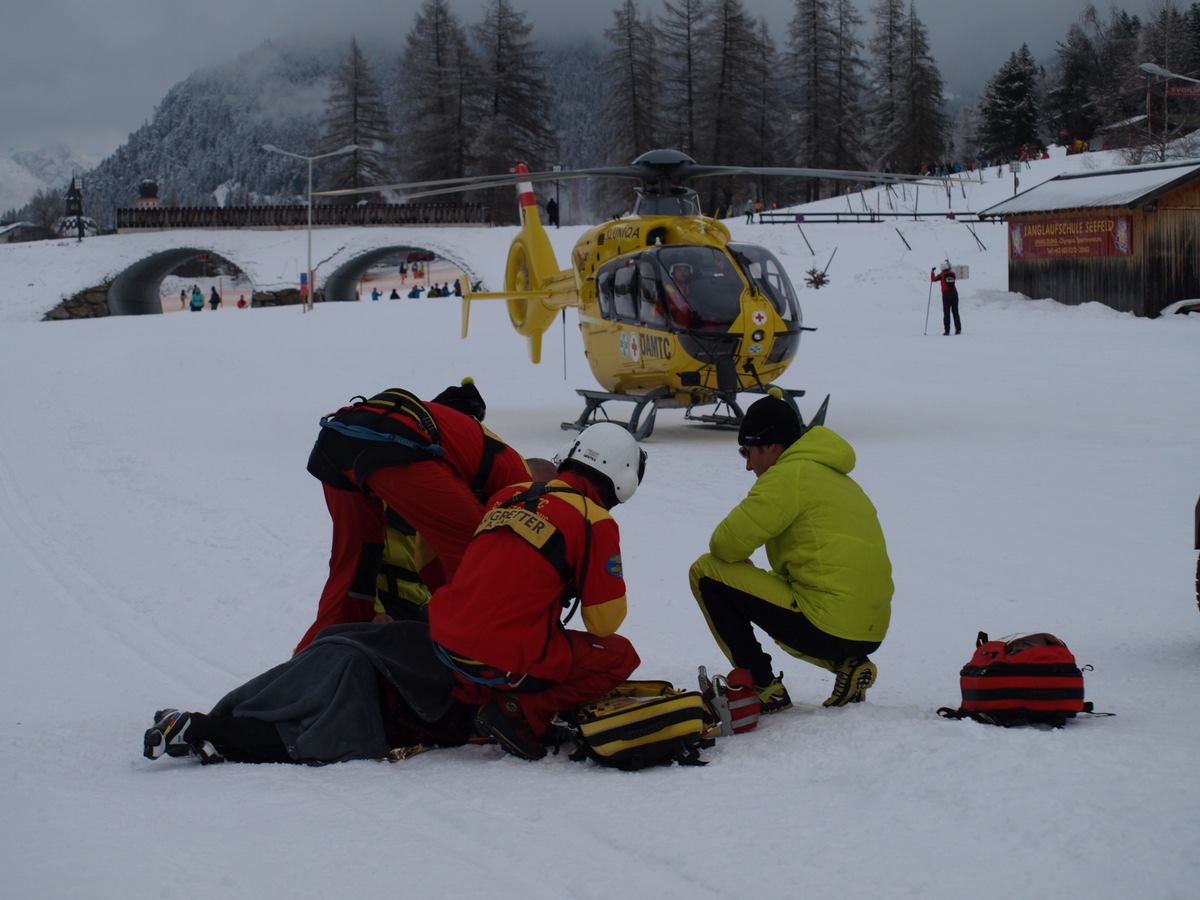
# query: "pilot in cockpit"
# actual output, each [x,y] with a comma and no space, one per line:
[677,287]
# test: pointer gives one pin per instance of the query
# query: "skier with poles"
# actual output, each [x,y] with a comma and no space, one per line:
[949,296]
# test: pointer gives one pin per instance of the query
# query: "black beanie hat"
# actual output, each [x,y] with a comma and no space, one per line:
[770,420]
[464,398]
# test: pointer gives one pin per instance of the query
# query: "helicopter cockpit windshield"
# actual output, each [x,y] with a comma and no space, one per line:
[685,288]
[701,285]
[768,275]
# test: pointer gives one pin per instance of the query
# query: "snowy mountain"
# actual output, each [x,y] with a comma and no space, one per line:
[24,172]
[208,130]
[203,146]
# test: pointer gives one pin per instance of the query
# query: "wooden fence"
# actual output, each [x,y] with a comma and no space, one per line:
[296,216]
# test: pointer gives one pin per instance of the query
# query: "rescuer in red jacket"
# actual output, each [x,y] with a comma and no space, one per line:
[433,464]
[949,297]
[540,548]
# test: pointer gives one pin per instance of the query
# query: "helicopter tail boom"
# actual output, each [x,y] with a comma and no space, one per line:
[532,277]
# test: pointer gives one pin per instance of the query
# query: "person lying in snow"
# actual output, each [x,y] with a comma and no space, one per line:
[358,691]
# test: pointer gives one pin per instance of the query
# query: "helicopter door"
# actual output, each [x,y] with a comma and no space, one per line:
[771,279]
[624,301]
[651,309]
[604,292]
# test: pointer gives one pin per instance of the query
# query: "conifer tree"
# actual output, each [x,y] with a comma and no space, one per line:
[439,73]
[849,86]
[1165,41]
[1191,19]
[633,86]
[765,106]
[516,96]
[1117,95]
[731,43]
[1070,107]
[1010,110]
[633,91]
[826,80]
[922,103]
[885,75]
[678,40]
[355,114]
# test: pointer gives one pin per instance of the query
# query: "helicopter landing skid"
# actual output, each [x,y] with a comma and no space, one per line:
[732,417]
[593,411]
[727,414]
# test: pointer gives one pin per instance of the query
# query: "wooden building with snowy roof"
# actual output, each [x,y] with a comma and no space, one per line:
[1128,238]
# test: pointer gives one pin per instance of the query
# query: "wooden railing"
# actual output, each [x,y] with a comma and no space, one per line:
[772,217]
[296,216]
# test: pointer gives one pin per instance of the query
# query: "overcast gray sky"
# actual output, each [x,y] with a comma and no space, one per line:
[86,73]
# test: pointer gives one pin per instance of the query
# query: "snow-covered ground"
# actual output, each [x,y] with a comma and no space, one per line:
[161,542]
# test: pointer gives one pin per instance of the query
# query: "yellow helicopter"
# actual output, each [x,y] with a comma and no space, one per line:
[674,313]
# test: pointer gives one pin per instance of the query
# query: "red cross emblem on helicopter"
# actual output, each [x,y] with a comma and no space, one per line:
[759,317]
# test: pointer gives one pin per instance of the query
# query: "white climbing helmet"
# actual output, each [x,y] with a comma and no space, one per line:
[610,450]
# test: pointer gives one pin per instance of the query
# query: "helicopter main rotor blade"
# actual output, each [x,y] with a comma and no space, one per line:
[655,169]
[833,174]
[483,182]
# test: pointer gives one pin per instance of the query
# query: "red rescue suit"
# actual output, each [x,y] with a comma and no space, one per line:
[437,494]
[501,613]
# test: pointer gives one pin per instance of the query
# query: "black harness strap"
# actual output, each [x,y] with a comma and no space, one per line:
[379,426]
[406,403]
[492,448]
[555,548]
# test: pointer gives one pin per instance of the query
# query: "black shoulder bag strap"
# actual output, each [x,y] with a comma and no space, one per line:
[557,555]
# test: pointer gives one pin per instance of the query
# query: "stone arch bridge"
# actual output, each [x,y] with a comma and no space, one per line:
[128,280]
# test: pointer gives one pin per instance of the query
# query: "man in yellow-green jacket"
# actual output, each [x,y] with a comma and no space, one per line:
[827,597]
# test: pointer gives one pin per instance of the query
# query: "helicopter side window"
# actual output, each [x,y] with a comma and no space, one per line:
[604,291]
[624,302]
[769,276]
[651,309]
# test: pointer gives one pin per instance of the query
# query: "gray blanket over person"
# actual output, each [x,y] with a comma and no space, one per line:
[357,692]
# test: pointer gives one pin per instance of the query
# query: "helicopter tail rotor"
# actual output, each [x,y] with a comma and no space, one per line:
[531,263]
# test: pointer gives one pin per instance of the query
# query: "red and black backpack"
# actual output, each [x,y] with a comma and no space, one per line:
[1029,679]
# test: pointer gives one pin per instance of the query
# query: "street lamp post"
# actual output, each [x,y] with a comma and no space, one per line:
[1155,69]
[271,148]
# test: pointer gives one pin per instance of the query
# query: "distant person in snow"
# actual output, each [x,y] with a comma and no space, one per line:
[183,298]
[949,297]
[827,597]
[214,299]
[394,295]
[197,301]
